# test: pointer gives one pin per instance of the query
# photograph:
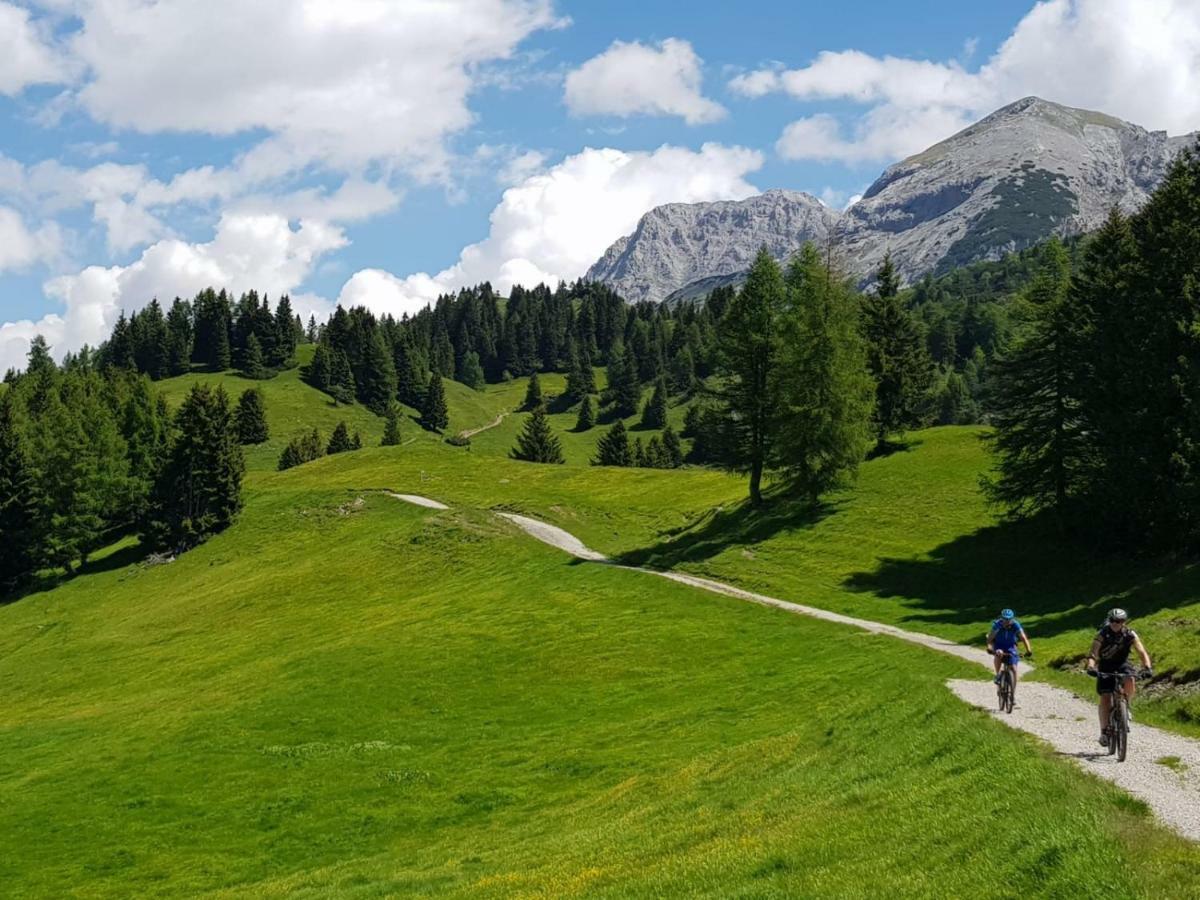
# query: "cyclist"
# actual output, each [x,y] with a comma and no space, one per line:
[1111,648]
[1002,642]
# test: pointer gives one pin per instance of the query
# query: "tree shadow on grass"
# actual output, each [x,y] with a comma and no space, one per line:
[1030,567]
[889,448]
[719,529]
[50,579]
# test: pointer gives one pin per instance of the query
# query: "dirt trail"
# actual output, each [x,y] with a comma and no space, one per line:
[1171,788]
[495,423]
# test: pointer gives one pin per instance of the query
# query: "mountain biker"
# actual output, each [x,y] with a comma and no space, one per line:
[1002,642]
[1111,648]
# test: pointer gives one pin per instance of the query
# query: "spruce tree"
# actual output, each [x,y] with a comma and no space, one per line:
[581,380]
[656,457]
[823,393]
[533,393]
[749,349]
[341,378]
[284,352]
[537,442]
[624,385]
[310,333]
[222,353]
[252,360]
[199,490]
[434,416]
[339,441]
[391,427]
[639,453]
[897,357]
[691,420]
[251,417]
[613,448]
[145,426]
[672,449]
[654,415]
[472,371]
[120,350]
[683,370]
[1038,440]
[302,449]
[377,376]
[20,506]
[587,415]
[179,332]
[320,371]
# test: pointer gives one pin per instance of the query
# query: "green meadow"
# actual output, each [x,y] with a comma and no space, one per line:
[343,695]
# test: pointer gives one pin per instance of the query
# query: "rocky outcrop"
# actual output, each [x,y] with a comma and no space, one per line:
[1027,171]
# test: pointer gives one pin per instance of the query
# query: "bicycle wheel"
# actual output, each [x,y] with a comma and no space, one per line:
[1012,691]
[1121,737]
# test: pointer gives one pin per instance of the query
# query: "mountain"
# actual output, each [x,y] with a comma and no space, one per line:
[1027,171]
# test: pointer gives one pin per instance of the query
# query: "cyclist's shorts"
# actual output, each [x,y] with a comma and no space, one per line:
[1106,682]
[1012,655]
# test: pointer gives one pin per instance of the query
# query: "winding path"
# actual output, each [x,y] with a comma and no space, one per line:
[471,432]
[1163,769]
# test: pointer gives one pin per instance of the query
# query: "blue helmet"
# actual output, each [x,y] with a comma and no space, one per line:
[1007,615]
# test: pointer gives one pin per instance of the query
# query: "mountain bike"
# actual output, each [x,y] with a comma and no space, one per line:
[1006,690]
[1118,716]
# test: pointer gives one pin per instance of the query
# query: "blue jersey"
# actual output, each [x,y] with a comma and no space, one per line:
[1005,638]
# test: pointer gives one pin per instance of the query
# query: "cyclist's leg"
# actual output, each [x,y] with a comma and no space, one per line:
[1016,669]
[1105,709]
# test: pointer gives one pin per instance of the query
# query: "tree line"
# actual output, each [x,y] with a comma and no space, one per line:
[1094,402]
[89,453]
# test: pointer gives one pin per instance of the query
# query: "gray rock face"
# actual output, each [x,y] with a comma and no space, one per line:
[680,243]
[1025,172]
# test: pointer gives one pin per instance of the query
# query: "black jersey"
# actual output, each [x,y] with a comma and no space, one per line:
[1115,647]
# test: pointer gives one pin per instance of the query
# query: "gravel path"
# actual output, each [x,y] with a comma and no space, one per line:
[419,501]
[495,423]
[1056,716]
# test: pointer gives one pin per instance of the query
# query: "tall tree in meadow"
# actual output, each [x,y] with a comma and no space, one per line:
[749,348]
[613,448]
[283,354]
[199,490]
[897,356]
[537,442]
[623,384]
[823,392]
[391,426]
[587,415]
[251,417]
[434,416]
[377,376]
[1038,440]
[20,507]
[533,393]
[252,365]
[339,441]
[179,337]
[472,371]
[654,415]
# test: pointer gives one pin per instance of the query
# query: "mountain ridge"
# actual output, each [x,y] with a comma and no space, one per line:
[1028,170]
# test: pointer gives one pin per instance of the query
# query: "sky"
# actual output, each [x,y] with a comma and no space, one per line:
[380,152]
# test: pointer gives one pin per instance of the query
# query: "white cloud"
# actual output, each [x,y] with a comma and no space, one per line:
[1137,59]
[248,251]
[631,79]
[343,83]
[555,224]
[25,58]
[20,247]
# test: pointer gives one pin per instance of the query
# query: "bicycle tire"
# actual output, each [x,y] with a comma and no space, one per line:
[1122,729]
[1012,691]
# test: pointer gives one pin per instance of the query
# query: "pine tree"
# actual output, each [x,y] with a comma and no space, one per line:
[472,371]
[672,450]
[146,427]
[411,375]
[356,442]
[339,441]
[1038,440]
[624,385]
[823,392]
[251,417]
[537,442]
[391,428]
[683,370]
[896,355]
[749,349]
[654,415]
[587,415]
[581,381]
[613,448]
[639,453]
[377,377]
[341,378]
[434,416]
[252,359]
[302,449]
[199,490]
[310,334]
[283,355]
[20,507]
[179,337]
[691,420]
[320,371]
[120,353]
[533,393]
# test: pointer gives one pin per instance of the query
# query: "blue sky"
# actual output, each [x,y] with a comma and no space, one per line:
[381,151]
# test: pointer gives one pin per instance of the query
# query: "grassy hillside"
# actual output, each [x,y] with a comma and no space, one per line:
[344,694]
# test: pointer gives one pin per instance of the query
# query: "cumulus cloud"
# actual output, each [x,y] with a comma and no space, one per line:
[20,247]
[556,223]
[248,251]
[343,83]
[25,58]
[1137,59]
[631,79]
